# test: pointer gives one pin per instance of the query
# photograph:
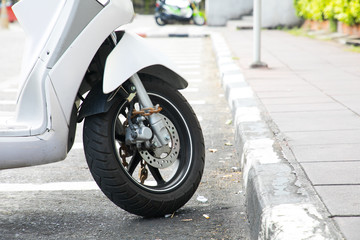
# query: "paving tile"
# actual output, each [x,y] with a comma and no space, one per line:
[326,153]
[345,59]
[332,76]
[341,200]
[310,65]
[287,93]
[316,121]
[281,74]
[297,100]
[340,87]
[343,91]
[349,227]
[332,106]
[351,101]
[267,84]
[323,137]
[333,172]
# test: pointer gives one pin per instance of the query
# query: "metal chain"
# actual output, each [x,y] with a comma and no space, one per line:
[143,112]
[143,174]
[123,154]
[147,111]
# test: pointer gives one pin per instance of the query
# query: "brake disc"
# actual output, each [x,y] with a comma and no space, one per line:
[164,156]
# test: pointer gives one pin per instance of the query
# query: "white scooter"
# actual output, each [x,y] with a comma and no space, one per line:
[142,141]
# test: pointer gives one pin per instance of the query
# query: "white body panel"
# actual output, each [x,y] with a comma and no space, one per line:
[131,55]
[178,3]
[39,133]
[53,71]
[48,147]
[37,28]
[69,71]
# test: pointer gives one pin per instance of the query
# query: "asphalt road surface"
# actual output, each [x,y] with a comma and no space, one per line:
[61,201]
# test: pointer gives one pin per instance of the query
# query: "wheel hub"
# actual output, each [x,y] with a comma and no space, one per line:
[164,156]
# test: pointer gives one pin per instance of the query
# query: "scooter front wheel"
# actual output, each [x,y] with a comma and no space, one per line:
[127,175]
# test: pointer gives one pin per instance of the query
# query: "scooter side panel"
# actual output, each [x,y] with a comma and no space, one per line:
[131,55]
[37,17]
[35,150]
[82,12]
[31,109]
[67,74]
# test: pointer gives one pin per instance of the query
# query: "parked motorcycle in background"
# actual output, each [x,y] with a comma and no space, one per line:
[168,11]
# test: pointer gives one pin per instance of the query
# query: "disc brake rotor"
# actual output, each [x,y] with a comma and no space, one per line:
[164,156]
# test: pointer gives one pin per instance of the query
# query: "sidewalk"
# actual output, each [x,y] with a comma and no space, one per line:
[310,98]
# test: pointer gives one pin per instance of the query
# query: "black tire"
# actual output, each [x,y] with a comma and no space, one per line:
[120,184]
[160,21]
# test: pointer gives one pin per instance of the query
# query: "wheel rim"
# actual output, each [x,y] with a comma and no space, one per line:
[159,179]
[199,20]
[160,21]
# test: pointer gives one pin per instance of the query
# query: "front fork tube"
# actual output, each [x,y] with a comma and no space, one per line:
[162,137]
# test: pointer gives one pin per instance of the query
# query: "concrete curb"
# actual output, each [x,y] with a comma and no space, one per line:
[279,205]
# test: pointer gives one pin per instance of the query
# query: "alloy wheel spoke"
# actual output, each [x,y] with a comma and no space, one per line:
[134,162]
[156,174]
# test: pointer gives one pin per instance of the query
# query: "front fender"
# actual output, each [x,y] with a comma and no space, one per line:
[133,55]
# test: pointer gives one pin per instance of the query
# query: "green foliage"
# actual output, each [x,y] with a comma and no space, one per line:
[347,11]
[311,9]
[354,49]
[329,10]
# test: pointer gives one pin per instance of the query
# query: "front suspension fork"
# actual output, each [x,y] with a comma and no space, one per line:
[162,136]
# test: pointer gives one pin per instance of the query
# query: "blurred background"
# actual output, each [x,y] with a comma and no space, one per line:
[148,6]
